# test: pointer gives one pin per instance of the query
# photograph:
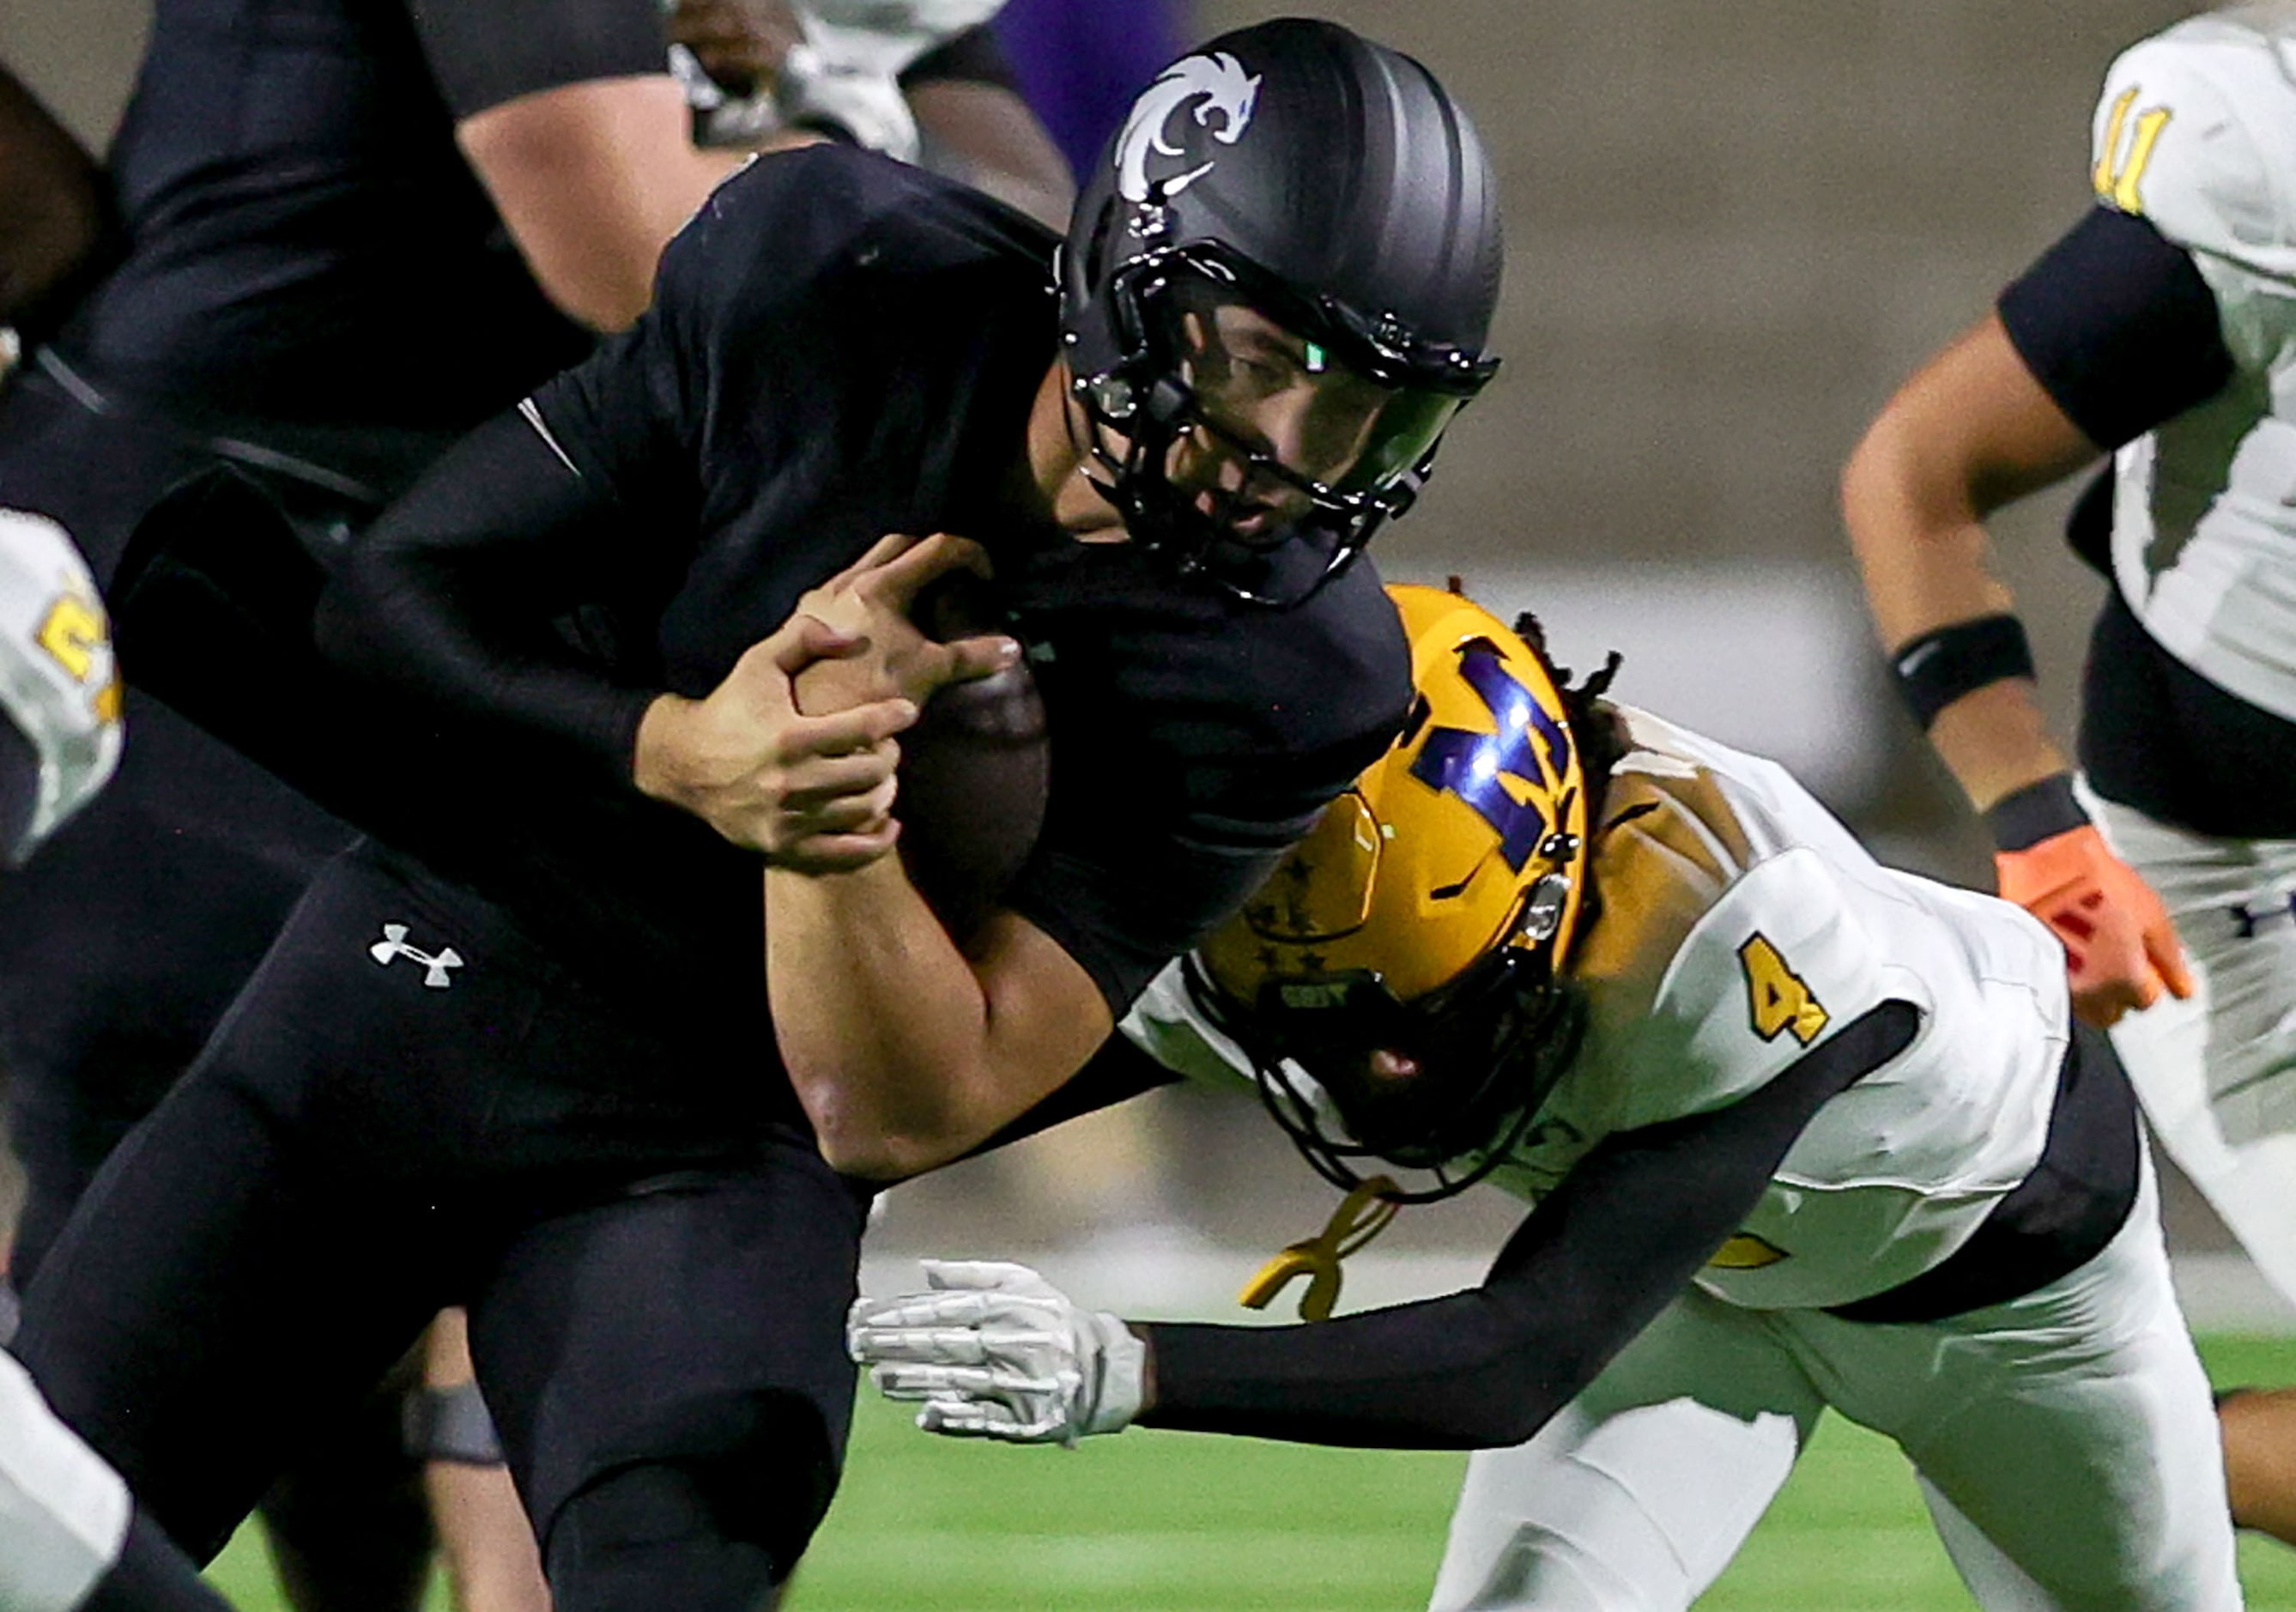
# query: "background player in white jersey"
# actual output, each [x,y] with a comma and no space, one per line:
[1800,1132]
[2163,328]
[71,1537]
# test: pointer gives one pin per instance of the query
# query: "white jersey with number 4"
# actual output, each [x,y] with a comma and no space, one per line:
[1741,923]
[2194,133]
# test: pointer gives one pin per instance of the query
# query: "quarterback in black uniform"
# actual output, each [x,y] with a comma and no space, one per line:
[348,233]
[540,1054]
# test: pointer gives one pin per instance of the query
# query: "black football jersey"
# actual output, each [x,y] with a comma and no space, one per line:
[839,348]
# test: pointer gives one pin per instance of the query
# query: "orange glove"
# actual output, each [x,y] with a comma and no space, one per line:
[2120,949]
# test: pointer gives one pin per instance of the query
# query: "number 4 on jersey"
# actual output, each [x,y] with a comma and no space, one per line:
[1775,993]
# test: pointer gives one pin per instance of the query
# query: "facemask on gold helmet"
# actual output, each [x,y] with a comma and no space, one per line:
[1407,955]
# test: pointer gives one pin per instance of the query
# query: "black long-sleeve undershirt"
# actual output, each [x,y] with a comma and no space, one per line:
[495,564]
[1588,1269]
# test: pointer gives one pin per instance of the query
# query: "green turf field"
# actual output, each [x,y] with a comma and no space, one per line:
[1155,1522]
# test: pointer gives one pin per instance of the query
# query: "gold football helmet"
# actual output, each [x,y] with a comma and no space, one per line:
[1408,953]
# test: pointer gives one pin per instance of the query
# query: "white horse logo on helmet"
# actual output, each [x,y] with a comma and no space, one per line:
[1220,83]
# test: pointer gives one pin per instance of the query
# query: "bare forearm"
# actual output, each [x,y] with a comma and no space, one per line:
[880,1019]
[1921,575]
[1972,431]
[592,180]
[906,1051]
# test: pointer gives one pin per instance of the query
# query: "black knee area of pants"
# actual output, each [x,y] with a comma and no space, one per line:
[149,1575]
[349,1522]
[713,1521]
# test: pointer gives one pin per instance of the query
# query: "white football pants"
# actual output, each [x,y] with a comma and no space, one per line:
[2217,1074]
[2065,1443]
[64,1512]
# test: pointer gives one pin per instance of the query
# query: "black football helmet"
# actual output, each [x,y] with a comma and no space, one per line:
[1332,187]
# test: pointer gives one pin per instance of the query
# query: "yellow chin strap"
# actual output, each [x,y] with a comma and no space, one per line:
[1362,1216]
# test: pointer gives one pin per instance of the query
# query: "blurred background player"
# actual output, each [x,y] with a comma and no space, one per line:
[2156,329]
[437,209]
[1799,1132]
[71,1539]
[522,1057]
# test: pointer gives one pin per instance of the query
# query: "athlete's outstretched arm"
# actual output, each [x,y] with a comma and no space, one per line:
[1589,1268]
[2112,332]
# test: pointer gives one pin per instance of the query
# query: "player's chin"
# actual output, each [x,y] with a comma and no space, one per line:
[1252,522]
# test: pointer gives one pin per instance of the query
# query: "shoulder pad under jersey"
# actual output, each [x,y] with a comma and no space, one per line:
[2188,132]
[1781,959]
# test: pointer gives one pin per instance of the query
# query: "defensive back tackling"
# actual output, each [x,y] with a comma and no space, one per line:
[1805,1131]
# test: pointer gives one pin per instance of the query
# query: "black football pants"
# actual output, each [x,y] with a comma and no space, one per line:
[123,942]
[124,939]
[657,1265]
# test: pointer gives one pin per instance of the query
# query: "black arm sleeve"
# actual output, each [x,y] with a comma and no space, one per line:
[2119,327]
[462,594]
[1589,1268]
[483,53]
[516,586]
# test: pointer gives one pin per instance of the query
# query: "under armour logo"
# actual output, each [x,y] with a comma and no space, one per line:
[393,945]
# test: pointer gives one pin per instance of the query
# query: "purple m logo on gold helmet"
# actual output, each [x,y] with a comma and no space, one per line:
[1471,765]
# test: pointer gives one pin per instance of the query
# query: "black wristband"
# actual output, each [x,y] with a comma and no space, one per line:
[2024,818]
[1938,667]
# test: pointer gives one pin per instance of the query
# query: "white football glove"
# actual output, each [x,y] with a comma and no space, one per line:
[995,1351]
[855,50]
[58,684]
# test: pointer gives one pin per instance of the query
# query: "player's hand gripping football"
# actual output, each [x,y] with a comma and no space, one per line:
[995,1351]
[2120,948]
[873,600]
[815,791]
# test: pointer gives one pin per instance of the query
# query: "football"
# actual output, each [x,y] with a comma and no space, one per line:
[975,770]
